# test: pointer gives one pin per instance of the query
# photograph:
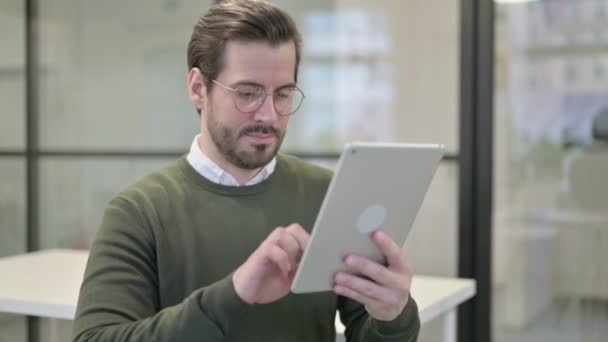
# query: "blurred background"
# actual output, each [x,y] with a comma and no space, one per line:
[96,98]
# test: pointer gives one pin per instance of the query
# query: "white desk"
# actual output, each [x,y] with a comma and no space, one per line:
[46,284]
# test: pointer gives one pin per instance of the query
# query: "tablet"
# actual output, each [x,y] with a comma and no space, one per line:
[375,185]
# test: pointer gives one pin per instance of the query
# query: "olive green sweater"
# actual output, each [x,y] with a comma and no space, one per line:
[161,265]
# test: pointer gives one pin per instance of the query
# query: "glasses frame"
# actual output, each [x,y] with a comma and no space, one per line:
[235,90]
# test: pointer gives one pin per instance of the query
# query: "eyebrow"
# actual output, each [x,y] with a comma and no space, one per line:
[256,84]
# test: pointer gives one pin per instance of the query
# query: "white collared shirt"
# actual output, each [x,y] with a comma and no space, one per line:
[210,170]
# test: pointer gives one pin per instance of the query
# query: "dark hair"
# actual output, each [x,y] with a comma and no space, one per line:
[249,20]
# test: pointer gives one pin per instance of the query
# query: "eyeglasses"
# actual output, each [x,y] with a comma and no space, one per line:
[248,98]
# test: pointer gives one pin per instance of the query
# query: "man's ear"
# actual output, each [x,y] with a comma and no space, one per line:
[197,88]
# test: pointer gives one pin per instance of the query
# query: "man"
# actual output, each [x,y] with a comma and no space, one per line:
[206,248]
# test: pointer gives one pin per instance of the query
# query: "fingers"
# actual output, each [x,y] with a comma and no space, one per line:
[280,258]
[291,241]
[374,271]
[392,282]
[396,275]
[365,290]
[381,303]
[391,251]
[299,234]
[352,294]
[289,244]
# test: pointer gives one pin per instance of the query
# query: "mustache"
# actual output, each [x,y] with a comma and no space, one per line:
[259,128]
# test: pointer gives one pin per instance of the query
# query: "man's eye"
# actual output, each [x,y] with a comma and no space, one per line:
[247,95]
[285,94]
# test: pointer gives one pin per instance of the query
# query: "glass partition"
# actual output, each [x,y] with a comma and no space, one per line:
[551,164]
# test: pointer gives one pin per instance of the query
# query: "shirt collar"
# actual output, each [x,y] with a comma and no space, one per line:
[210,170]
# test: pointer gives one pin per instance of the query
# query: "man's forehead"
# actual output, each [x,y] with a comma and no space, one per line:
[258,59]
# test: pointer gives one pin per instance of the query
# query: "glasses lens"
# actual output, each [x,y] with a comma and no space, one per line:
[248,98]
[288,100]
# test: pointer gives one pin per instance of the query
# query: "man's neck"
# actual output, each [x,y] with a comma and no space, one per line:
[242,176]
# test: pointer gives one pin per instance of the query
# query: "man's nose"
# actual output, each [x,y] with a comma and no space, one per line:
[266,112]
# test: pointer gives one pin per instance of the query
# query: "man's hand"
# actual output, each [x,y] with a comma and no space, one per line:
[267,274]
[387,290]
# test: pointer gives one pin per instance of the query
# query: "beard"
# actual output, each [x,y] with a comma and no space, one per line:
[226,141]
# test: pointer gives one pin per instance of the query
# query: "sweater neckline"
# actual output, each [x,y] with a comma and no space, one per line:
[226,190]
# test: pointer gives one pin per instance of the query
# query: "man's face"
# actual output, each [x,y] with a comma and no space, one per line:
[249,140]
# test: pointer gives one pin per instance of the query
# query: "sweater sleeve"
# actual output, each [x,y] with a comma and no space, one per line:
[119,299]
[360,327]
